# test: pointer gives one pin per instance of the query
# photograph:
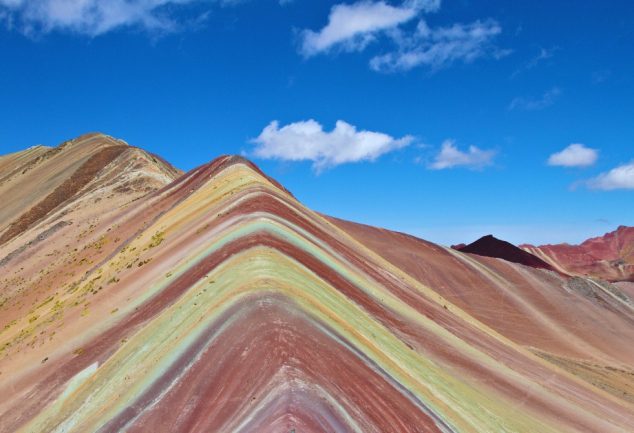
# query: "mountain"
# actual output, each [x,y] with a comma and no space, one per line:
[609,257]
[41,181]
[217,302]
[490,246]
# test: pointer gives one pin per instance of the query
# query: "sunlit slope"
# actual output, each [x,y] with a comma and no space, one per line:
[235,308]
[63,206]
[579,324]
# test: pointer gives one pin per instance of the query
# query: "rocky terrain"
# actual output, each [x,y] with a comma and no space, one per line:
[610,257]
[134,297]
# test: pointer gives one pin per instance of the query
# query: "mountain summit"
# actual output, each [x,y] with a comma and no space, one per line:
[491,246]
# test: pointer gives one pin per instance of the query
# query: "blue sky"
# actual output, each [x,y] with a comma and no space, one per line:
[445,119]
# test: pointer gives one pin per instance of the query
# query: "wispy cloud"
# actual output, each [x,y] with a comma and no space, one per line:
[352,27]
[533,104]
[307,141]
[621,177]
[450,156]
[440,47]
[575,155]
[95,17]
[543,55]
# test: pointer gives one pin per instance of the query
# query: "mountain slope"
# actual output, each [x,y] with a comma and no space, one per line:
[70,237]
[224,304]
[570,322]
[610,257]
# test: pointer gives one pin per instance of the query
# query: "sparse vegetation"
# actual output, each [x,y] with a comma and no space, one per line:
[157,239]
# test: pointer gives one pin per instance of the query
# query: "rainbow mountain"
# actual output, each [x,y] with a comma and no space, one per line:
[135,297]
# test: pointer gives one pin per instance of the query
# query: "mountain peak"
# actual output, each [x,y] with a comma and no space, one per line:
[38,181]
[490,246]
[93,139]
[228,160]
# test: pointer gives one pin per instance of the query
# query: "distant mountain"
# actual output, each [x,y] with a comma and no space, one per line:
[490,246]
[609,257]
[42,181]
[137,298]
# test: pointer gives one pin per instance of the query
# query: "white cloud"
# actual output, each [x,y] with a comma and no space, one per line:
[94,17]
[575,155]
[532,104]
[352,27]
[450,156]
[440,47]
[307,141]
[621,177]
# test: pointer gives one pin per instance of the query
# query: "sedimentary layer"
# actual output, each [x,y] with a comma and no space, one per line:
[218,302]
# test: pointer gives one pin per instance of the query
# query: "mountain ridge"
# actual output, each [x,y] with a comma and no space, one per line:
[218,302]
[610,256]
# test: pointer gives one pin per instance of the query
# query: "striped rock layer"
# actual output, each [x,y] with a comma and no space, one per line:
[217,302]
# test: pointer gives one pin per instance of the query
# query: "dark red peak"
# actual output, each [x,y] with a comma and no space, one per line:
[490,246]
[458,247]
[488,241]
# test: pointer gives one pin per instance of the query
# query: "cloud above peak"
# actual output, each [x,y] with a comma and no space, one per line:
[308,141]
[575,155]
[352,27]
